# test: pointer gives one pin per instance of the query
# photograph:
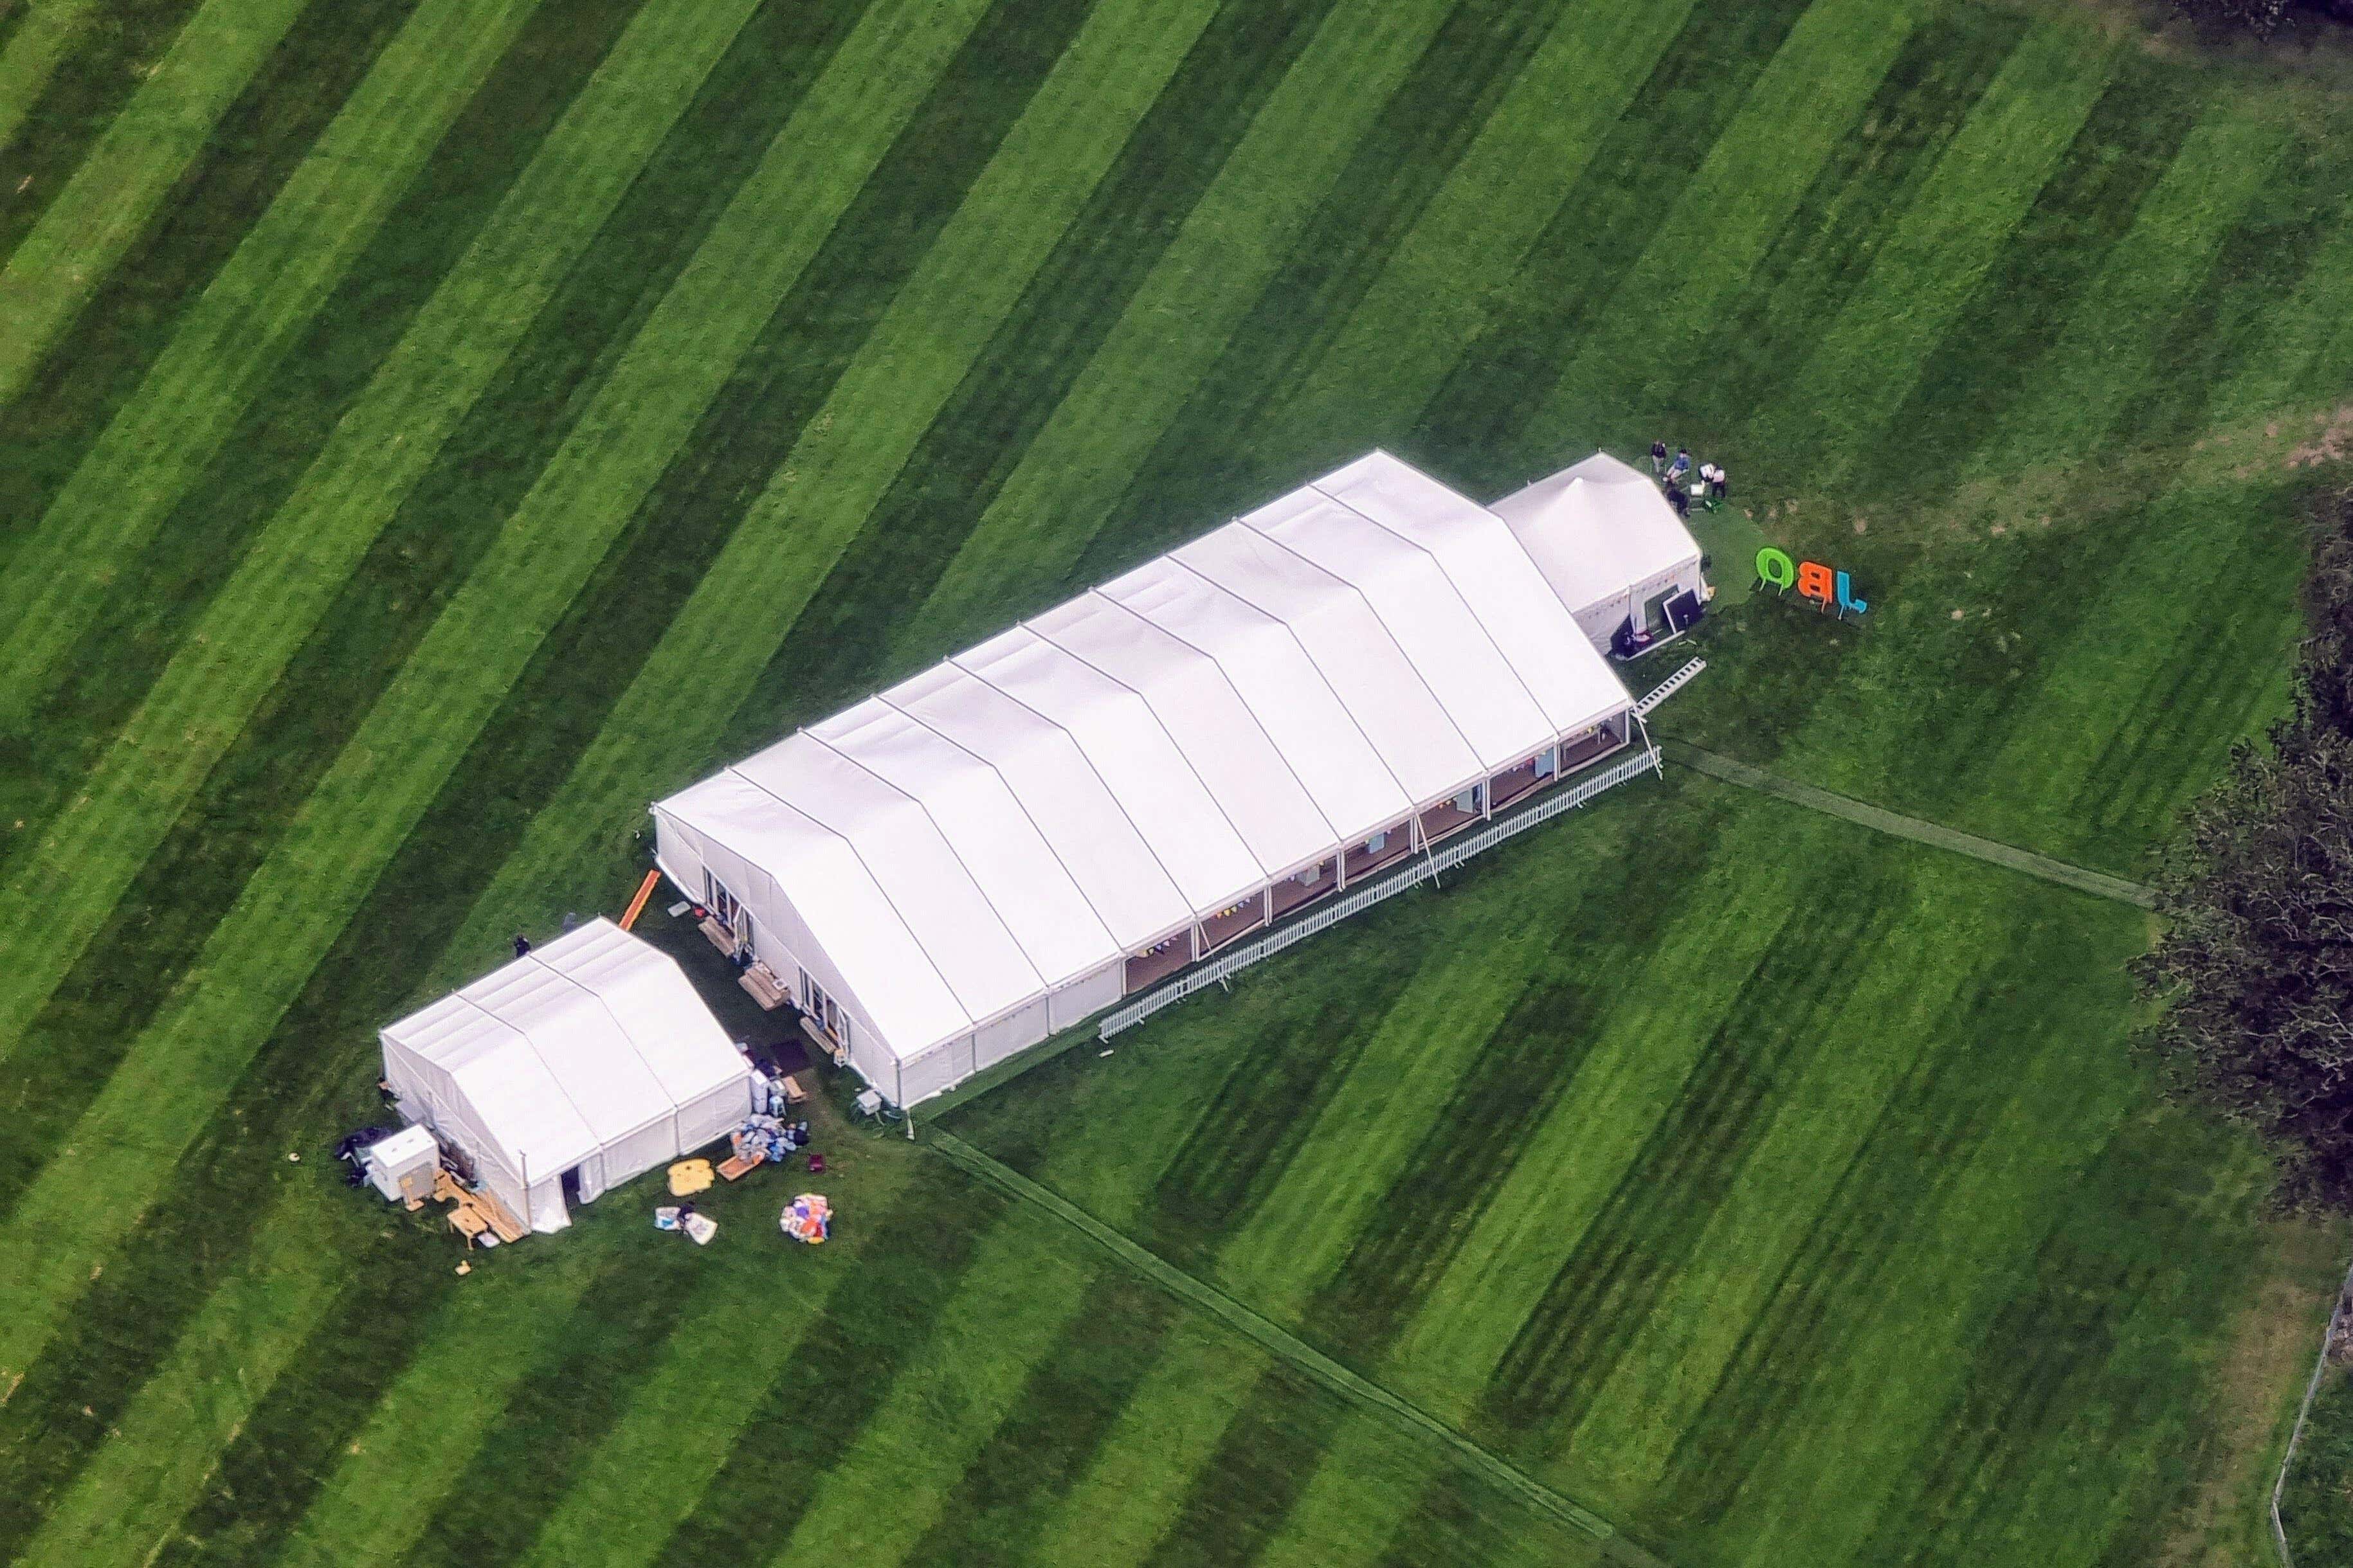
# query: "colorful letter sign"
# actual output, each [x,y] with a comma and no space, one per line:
[1827,588]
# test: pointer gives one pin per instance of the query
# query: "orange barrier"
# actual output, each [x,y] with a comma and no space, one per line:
[645,891]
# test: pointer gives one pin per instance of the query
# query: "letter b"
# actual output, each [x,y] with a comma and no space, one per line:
[1816,583]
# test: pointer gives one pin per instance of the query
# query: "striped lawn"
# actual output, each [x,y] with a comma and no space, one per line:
[282,272]
[290,913]
[382,447]
[1784,1191]
[116,191]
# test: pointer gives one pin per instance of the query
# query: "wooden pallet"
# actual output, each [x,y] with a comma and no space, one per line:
[720,937]
[760,981]
[475,1212]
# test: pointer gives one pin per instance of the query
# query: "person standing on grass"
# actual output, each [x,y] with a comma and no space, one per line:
[1658,457]
[1718,487]
[521,944]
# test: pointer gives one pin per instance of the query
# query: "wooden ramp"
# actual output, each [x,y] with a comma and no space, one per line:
[475,1212]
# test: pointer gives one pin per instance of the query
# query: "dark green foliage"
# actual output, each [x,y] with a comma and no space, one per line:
[2256,961]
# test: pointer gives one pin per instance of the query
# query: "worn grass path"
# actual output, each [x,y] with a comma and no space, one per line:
[239,648]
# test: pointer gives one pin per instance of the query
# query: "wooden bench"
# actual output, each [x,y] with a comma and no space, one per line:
[760,981]
[473,1213]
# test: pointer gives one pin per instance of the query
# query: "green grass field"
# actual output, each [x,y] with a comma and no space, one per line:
[428,431]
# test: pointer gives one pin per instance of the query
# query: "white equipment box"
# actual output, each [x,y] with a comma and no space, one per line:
[401,1167]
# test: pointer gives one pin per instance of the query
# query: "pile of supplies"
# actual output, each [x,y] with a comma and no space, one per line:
[700,1228]
[769,1138]
[807,1218]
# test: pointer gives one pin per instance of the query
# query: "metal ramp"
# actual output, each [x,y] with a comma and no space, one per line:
[1669,687]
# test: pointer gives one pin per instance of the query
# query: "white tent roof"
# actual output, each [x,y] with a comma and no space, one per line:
[570,1047]
[1160,748]
[1597,529]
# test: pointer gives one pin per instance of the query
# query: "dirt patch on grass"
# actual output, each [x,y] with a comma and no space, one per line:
[2256,1379]
[2332,444]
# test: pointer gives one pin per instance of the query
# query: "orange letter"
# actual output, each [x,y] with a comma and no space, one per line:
[1815,581]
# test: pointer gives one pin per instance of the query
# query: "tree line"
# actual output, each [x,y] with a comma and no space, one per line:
[2254,965]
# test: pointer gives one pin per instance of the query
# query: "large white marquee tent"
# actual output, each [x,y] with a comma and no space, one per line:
[579,1065]
[963,865]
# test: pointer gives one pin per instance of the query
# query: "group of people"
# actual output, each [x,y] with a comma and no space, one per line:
[1713,482]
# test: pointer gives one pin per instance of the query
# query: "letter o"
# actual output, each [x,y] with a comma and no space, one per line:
[1775,569]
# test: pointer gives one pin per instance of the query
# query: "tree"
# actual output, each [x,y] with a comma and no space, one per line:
[2256,963]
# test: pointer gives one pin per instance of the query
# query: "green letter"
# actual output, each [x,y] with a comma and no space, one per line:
[1775,569]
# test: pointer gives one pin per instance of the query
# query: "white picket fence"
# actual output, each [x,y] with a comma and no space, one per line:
[1445,857]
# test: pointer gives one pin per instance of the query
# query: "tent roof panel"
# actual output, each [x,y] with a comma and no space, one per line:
[1431,625]
[1294,705]
[934,894]
[1496,577]
[1144,771]
[1597,529]
[1422,742]
[655,1005]
[1064,798]
[880,959]
[1023,879]
[1208,720]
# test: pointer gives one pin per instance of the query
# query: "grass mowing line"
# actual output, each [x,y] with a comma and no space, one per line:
[1289,1348]
[1232,244]
[290,913]
[1433,295]
[138,1483]
[57,267]
[292,571]
[1666,303]
[1871,351]
[681,701]
[2097,883]
[251,314]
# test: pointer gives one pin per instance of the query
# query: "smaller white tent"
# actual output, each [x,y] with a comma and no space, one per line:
[590,1058]
[1605,538]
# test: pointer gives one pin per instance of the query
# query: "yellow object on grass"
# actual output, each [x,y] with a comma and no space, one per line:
[688,1177]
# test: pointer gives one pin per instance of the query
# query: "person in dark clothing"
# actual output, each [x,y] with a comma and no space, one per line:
[521,944]
[1678,499]
[1658,457]
[1719,485]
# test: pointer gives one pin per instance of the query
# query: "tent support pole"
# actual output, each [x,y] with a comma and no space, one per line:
[526,1191]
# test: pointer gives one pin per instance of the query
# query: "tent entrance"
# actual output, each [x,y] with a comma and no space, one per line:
[570,1186]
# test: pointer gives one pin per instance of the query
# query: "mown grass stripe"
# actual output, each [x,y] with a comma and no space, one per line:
[475,1345]
[290,913]
[1872,351]
[382,448]
[96,368]
[114,196]
[841,643]
[1232,244]
[2151,275]
[143,1476]
[157,595]
[253,312]
[1374,200]
[1054,1427]
[1539,313]
[1285,1346]
[1434,294]
[1666,305]
[1858,200]
[75,102]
